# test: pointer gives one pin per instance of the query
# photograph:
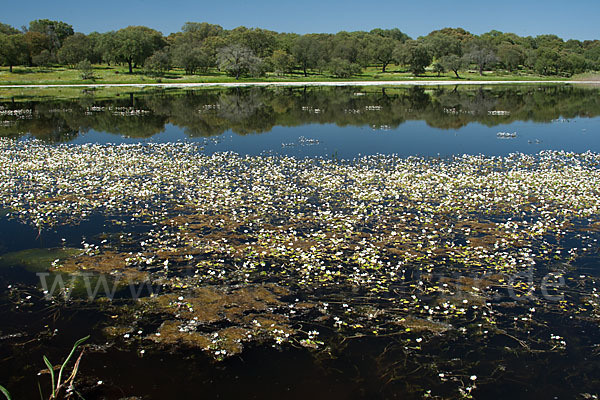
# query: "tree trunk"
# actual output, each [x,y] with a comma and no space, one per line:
[304,69]
[10,68]
[383,69]
[456,73]
[130,62]
[481,70]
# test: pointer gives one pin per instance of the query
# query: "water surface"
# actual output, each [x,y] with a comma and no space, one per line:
[304,242]
[339,121]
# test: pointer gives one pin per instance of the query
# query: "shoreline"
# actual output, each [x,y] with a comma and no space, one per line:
[296,84]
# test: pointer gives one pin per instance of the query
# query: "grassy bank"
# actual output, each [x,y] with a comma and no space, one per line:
[118,74]
[63,93]
[27,93]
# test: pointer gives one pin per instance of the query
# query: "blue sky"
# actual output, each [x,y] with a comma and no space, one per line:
[577,19]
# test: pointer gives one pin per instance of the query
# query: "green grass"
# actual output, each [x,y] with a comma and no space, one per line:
[64,93]
[588,76]
[119,74]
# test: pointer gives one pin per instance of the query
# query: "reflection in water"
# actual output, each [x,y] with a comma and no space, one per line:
[203,113]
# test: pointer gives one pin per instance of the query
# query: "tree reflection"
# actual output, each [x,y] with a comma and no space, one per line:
[203,113]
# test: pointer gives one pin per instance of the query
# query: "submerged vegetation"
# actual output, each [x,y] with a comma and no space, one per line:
[424,258]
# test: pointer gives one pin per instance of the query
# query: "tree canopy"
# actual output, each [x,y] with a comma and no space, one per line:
[136,43]
[200,46]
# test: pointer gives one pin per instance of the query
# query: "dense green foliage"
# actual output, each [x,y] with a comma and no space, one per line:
[200,47]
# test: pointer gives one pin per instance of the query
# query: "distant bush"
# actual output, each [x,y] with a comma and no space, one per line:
[85,67]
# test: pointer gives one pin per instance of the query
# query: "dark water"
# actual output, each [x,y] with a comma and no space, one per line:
[379,360]
[342,121]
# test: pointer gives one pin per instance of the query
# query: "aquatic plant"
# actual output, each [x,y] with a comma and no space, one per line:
[58,385]
[270,250]
[5,392]
[37,259]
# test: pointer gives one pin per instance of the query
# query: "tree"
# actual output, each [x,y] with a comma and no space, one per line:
[95,55]
[136,43]
[414,54]
[481,55]
[549,41]
[237,60]
[546,62]
[107,46]
[57,31]
[75,48]
[347,46]
[192,57]
[282,62]
[442,44]
[262,42]
[381,50]
[453,63]
[12,50]
[35,43]
[285,41]
[341,68]
[511,55]
[45,58]
[307,52]
[212,44]
[592,50]
[574,46]
[458,33]
[438,68]
[394,33]
[158,63]
[8,30]
[572,63]
[201,30]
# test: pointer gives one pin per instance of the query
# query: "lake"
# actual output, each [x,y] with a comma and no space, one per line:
[340,242]
[313,121]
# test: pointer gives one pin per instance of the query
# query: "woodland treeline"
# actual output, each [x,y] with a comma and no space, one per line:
[202,47]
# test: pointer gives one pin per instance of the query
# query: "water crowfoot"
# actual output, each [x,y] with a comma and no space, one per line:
[316,253]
